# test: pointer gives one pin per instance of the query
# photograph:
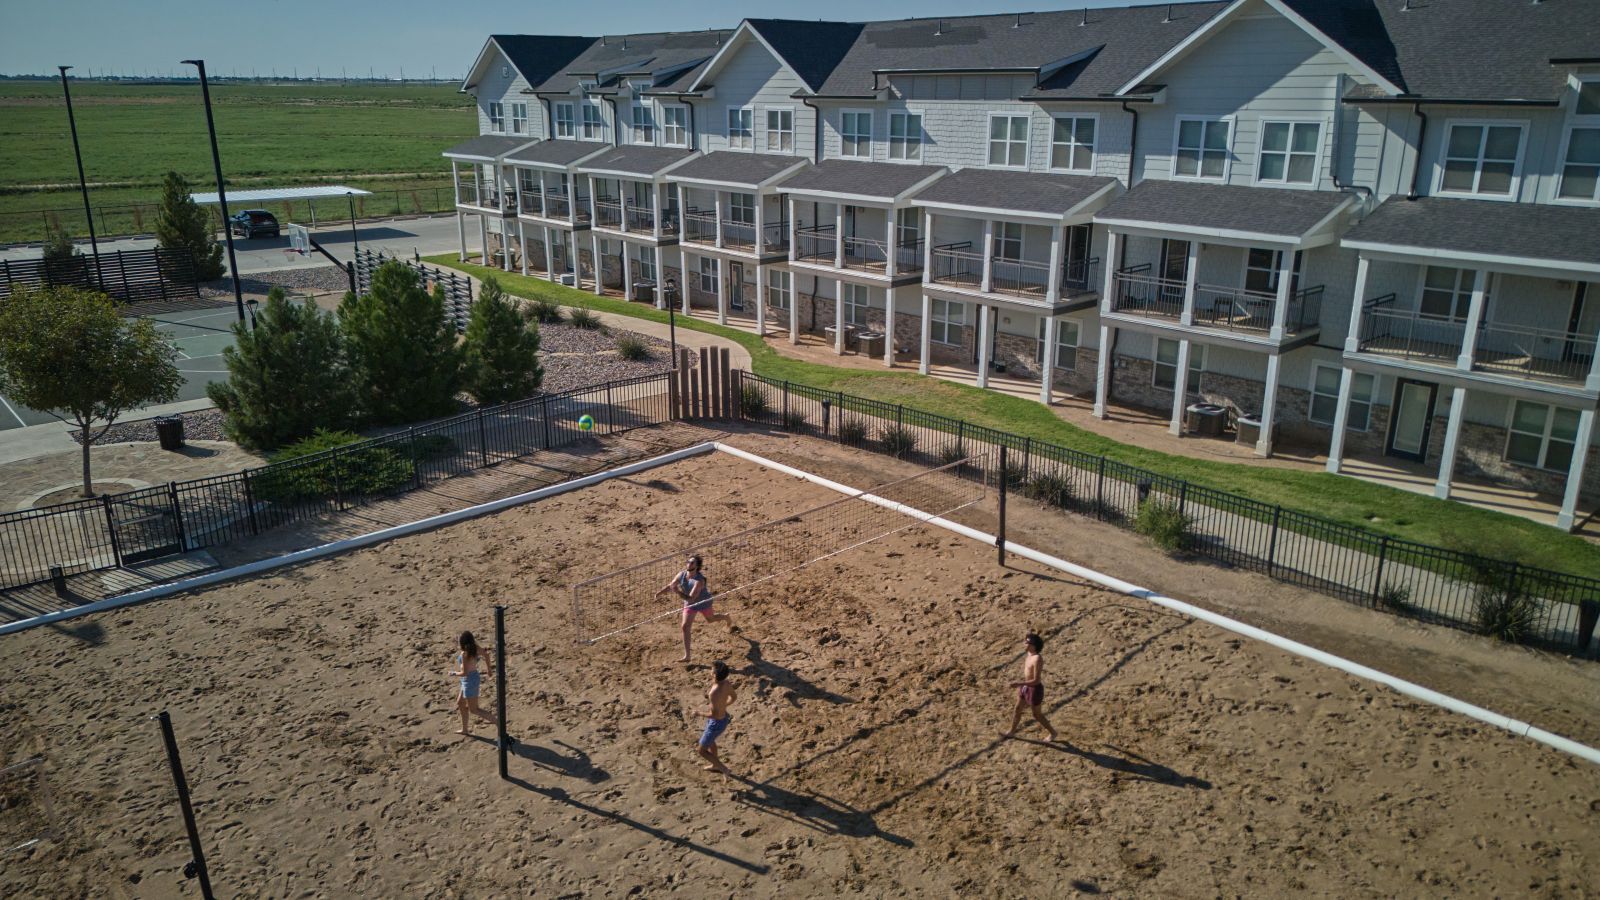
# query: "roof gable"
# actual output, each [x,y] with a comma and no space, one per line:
[662,55]
[535,57]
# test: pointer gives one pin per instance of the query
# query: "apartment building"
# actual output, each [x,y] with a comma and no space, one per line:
[1310,214]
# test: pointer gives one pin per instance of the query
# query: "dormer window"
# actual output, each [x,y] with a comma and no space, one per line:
[564,121]
[1481,159]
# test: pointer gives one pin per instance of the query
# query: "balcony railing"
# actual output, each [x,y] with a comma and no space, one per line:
[1237,309]
[957,265]
[1407,334]
[641,218]
[908,257]
[1140,293]
[1019,277]
[700,226]
[1539,353]
[741,235]
[1079,276]
[557,206]
[866,253]
[607,213]
[486,196]
[815,243]
[775,237]
[671,222]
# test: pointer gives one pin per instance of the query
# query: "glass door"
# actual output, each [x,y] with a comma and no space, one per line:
[1411,420]
[736,286]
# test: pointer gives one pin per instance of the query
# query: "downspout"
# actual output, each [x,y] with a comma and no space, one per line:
[549,120]
[1422,134]
[616,121]
[1338,134]
[816,130]
[694,133]
[1133,142]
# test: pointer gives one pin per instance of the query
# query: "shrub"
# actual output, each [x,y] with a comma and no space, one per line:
[501,350]
[182,225]
[357,472]
[633,348]
[752,402]
[1395,597]
[899,441]
[402,348]
[585,319]
[545,312]
[1503,607]
[1015,474]
[852,431]
[794,420]
[1052,489]
[950,454]
[1163,524]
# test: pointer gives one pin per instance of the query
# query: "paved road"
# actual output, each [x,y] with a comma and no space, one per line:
[429,235]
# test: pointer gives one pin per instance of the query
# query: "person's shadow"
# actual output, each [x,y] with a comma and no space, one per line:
[573,763]
[798,687]
[814,811]
[1129,763]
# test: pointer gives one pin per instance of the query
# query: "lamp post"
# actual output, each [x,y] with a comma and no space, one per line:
[354,240]
[222,195]
[83,184]
[670,293]
[252,303]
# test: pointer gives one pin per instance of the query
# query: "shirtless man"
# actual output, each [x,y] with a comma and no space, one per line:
[717,718]
[690,584]
[1030,690]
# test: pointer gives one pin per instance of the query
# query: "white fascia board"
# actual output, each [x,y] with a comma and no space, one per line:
[993,212]
[1184,46]
[1183,232]
[1539,268]
[832,196]
[478,157]
[471,81]
[761,185]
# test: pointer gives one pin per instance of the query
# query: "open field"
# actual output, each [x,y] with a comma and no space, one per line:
[376,137]
[314,713]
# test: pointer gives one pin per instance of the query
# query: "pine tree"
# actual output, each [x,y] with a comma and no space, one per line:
[501,350]
[62,263]
[402,348]
[287,377]
[182,225]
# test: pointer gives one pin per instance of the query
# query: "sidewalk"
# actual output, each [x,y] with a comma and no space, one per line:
[55,437]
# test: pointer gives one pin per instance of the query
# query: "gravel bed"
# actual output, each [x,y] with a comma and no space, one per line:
[562,373]
[321,278]
[566,339]
[200,425]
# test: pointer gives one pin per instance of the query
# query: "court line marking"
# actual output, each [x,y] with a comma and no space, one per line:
[14,414]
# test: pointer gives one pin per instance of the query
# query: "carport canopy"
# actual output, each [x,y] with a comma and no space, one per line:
[238,200]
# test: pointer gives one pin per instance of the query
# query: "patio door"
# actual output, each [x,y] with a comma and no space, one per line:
[1174,269]
[1411,420]
[1076,257]
[1583,322]
[736,286]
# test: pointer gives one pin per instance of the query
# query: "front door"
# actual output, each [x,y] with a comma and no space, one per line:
[1411,420]
[736,286]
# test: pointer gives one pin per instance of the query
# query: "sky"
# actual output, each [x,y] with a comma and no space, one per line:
[426,39]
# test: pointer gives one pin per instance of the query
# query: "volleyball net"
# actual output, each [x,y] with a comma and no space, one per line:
[620,601]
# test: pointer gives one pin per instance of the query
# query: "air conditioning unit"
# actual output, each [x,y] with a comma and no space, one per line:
[569,279]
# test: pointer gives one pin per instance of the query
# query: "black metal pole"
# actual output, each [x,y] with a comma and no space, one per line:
[222,193]
[197,866]
[1000,534]
[83,184]
[672,324]
[354,240]
[503,743]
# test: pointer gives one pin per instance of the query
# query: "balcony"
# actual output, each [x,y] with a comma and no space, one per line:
[607,213]
[775,237]
[640,218]
[866,254]
[815,243]
[959,266]
[1217,307]
[738,235]
[482,196]
[1515,351]
[700,226]
[1139,293]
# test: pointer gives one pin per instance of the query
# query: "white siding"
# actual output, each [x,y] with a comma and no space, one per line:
[498,86]
[751,76]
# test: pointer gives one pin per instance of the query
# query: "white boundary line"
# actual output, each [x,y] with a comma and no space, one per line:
[337,547]
[13,411]
[1415,691]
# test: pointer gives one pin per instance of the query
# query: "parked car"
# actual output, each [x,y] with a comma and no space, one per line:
[254,223]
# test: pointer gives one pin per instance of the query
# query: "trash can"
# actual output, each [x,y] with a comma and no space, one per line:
[1248,428]
[644,290]
[870,343]
[1205,419]
[169,431]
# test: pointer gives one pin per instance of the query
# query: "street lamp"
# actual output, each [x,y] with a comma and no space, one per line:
[83,185]
[355,241]
[252,303]
[222,195]
[670,294]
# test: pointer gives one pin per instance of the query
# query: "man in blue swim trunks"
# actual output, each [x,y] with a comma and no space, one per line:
[717,718]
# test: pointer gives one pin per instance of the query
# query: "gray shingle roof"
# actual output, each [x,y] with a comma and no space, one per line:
[1524,230]
[647,53]
[1023,191]
[557,153]
[736,168]
[489,146]
[539,56]
[812,49]
[1278,212]
[1462,49]
[636,159]
[873,180]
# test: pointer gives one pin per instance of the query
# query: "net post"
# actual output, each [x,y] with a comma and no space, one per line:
[1000,533]
[503,743]
[197,865]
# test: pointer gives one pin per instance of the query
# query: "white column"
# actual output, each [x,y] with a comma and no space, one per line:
[927,247]
[927,334]
[544,210]
[522,244]
[683,224]
[1053,286]
[1047,358]
[722,284]
[838,235]
[483,235]
[622,206]
[983,345]
[549,254]
[572,259]
[1269,405]
[1580,455]
[661,276]
[594,242]
[656,215]
[455,180]
[761,292]
[1452,435]
[627,274]
[716,205]
[1191,275]
[1102,360]
[683,265]
[1113,244]
[794,310]
[888,253]
[1280,305]
[505,245]
[1593,381]
[1341,421]
[794,229]
[1180,387]
[838,317]
[988,256]
[516,189]
[1480,285]
[461,231]
[477,185]
[888,327]
[760,219]
[1352,340]
[594,212]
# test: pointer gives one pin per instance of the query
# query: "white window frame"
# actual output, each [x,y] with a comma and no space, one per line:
[742,213]
[1062,344]
[519,118]
[909,145]
[645,110]
[857,302]
[1516,166]
[942,324]
[780,288]
[768,132]
[1544,436]
[998,230]
[496,111]
[1094,158]
[669,112]
[646,259]
[710,269]
[595,129]
[566,119]
[1200,165]
[1353,421]
[1295,271]
[1561,166]
[1464,280]
[1289,153]
[989,140]
[1197,365]
[740,128]
[864,140]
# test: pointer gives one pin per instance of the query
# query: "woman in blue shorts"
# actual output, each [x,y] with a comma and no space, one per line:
[467,669]
[690,584]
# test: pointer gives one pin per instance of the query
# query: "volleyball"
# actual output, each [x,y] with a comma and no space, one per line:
[586,422]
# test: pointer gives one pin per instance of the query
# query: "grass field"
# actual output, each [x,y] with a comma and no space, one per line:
[376,137]
[1348,501]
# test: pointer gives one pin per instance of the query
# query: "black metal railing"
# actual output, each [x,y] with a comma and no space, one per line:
[871,254]
[165,520]
[815,243]
[607,212]
[775,237]
[640,218]
[1080,276]
[1140,293]
[1409,335]
[738,234]
[1351,563]
[700,225]
[957,264]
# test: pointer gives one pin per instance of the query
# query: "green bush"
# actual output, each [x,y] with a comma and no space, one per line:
[357,472]
[1016,476]
[1051,488]
[545,312]
[794,420]
[1395,597]
[1503,607]
[500,350]
[586,319]
[899,441]
[402,348]
[752,402]
[633,348]
[1163,524]
[852,431]
[950,454]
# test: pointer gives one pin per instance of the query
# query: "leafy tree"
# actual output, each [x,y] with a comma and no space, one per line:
[182,225]
[501,350]
[61,260]
[402,348]
[287,377]
[66,351]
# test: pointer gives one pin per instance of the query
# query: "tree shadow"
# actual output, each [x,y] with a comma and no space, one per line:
[1129,763]
[818,812]
[574,763]
[799,687]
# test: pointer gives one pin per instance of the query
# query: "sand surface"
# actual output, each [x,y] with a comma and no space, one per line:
[315,716]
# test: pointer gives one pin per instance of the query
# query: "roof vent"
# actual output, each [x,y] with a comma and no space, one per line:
[1085,20]
[1169,13]
[602,40]
[939,32]
[624,42]
[1406,7]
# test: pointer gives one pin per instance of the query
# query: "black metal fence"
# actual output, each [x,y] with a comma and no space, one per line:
[131,276]
[156,522]
[457,287]
[1431,583]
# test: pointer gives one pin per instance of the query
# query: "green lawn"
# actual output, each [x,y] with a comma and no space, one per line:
[268,134]
[1348,501]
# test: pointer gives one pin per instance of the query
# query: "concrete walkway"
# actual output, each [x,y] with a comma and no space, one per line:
[56,437]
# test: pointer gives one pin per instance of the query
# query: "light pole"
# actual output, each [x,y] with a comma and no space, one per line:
[83,185]
[354,241]
[222,195]
[670,294]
